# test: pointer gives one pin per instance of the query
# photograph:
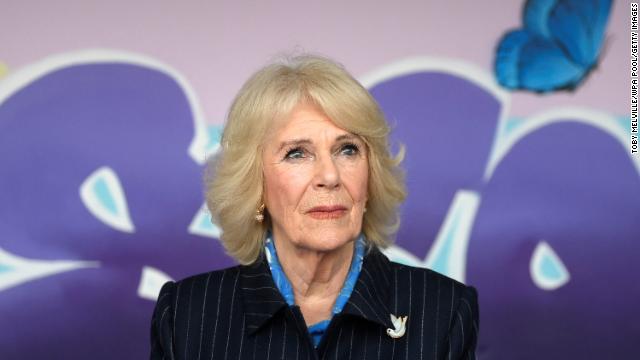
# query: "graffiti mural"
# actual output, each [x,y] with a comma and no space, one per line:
[97,205]
[519,208]
[523,190]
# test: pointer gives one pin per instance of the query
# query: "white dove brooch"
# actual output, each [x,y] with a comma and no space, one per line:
[399,323]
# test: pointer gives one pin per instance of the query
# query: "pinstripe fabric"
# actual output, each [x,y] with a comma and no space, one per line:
[238,313]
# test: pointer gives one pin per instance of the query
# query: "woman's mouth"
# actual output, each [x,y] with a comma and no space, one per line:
[327,212]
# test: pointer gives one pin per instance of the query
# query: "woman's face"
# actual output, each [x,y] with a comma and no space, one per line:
[316,178]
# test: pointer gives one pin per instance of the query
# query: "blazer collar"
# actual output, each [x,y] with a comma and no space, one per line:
[371,293]
[262,299]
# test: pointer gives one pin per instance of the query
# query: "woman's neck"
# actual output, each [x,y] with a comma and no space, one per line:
[316,277]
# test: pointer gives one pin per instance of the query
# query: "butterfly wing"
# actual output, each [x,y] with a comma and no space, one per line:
[557,47]
[535,16]
[578,26]
[528,61]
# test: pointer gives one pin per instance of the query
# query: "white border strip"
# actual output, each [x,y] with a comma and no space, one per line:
[456,67]
[599,120]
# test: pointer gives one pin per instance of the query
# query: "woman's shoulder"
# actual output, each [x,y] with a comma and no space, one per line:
[205,280]
[449,306]
[413,276]
[203,296]
[431,282]
[427,294]
[405,286]
[429,274]
[198,286]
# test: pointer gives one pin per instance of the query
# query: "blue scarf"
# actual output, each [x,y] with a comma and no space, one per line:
[316,330]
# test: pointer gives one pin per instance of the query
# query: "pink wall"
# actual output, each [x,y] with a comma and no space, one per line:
[217,44]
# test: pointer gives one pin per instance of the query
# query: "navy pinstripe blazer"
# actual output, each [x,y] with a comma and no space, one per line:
[238,313]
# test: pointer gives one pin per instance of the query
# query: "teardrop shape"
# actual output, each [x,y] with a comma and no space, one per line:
[102,194]
[547,270]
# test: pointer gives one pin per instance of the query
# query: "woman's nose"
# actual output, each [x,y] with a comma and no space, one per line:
[327,173]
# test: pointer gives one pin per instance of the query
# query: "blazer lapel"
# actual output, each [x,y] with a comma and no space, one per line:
[371,293]
[262,299]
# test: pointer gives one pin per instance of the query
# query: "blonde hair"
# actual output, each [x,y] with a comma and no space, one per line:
[234,179]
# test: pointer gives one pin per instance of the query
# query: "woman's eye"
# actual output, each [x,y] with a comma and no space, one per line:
[349,149]
[296,153]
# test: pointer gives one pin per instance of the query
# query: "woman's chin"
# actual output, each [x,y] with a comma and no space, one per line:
[326,242]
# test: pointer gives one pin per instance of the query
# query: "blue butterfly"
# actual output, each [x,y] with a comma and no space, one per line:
[557,47]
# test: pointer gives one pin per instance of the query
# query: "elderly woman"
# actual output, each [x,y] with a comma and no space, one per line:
[306,192]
